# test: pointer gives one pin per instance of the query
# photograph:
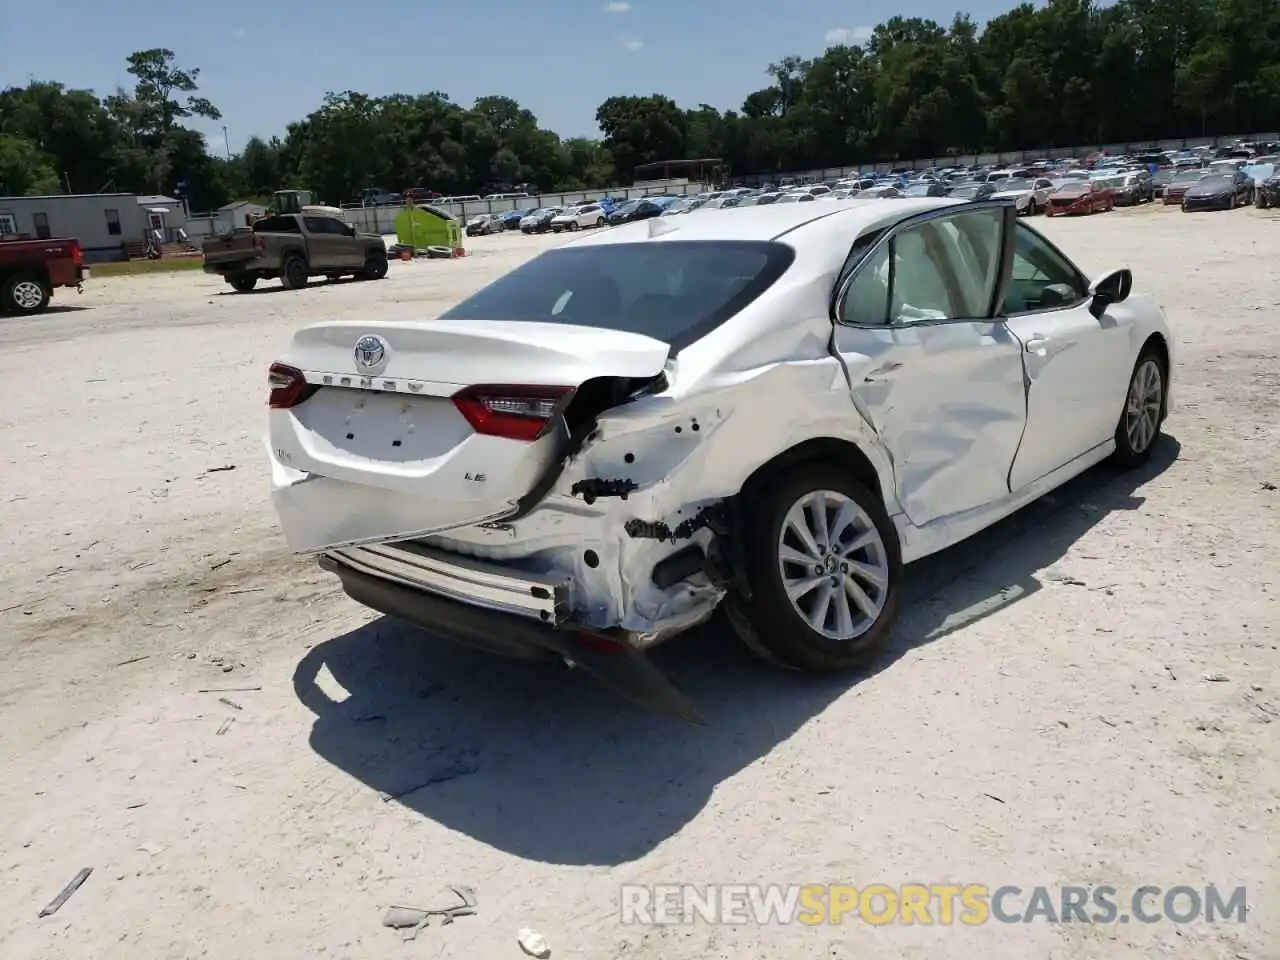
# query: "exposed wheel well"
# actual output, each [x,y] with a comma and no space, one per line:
[826,450]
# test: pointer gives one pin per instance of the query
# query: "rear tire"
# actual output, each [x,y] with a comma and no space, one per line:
[25,295]
[1260,201]
[242,283]
[1138,429]
[294,273]
[843,614]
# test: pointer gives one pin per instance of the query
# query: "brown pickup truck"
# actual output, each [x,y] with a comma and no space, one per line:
[295,247]
[31,269]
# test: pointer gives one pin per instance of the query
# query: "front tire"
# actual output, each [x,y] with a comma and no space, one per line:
[25,296]
[1143,414]
[243,283]
[825,569]
[375,266]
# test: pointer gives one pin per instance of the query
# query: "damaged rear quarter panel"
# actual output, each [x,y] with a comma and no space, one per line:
[740,397]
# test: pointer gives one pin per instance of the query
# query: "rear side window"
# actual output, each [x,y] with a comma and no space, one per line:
[673,291]
[276,225]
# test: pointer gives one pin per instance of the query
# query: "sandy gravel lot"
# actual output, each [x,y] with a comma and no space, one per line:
[1044,717]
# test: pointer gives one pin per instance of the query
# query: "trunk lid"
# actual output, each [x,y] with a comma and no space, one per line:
[410,429]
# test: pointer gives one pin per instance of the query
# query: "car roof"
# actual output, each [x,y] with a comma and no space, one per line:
[769,222]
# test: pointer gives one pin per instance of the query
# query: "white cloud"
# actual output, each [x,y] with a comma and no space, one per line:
[630,41]
[616,7]
[849,36]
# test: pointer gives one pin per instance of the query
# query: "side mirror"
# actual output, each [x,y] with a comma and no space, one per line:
[1113,287]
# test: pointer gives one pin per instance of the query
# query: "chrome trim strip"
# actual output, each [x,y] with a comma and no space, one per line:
[542,598]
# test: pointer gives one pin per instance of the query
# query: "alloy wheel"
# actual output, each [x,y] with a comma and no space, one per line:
[27,294]
[1142,409]
[833,564]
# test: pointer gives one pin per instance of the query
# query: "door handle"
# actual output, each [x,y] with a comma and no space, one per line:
[881,372]
[1035,344]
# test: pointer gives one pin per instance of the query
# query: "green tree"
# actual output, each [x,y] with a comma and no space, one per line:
[25,170]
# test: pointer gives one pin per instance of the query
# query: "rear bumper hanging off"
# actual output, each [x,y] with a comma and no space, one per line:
[507,632]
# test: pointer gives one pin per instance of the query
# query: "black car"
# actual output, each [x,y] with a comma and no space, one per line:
[1219,191]
[1267,193]
[634,210]
[540,220]
[1137,188]
[972,191]
[925,189]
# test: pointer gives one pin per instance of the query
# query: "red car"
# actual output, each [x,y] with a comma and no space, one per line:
[1080,196]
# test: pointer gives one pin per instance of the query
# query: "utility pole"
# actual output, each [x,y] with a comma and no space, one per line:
[226,140]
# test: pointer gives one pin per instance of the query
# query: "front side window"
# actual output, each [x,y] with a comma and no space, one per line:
[1041,277]
[113,222]
[945,268]
[673,291]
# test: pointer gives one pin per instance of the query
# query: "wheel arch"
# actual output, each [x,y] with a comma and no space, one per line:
[1156,343]
[825,450]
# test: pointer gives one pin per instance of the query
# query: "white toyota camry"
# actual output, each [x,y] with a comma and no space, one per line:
[775,408]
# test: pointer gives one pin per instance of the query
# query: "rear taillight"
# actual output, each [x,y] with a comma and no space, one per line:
[77,255]
[288,385]
[512,411]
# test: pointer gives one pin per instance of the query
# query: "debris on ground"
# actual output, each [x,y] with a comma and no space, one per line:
[230,703]
[76,883]
[413,919]
[228,689]
[225,726]
[533,943]
[224,469]
[125,663]
[1215,678]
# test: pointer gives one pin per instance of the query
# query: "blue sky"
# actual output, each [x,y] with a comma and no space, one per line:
[265,64]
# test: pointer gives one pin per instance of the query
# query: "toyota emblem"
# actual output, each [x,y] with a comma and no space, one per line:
[370,351]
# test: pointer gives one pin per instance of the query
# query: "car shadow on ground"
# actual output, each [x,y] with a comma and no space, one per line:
[542,763]
[64,308]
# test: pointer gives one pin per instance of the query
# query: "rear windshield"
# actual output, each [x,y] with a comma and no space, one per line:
[673,291]
[276,225]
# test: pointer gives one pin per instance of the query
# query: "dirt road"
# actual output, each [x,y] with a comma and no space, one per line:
[1088,694]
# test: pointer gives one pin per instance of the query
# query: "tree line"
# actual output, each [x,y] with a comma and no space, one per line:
[1066,73]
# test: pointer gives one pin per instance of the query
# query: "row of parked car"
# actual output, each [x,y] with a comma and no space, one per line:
[570,217]
[1196,180]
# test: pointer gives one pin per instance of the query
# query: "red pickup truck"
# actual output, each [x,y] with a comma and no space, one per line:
[30,269]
